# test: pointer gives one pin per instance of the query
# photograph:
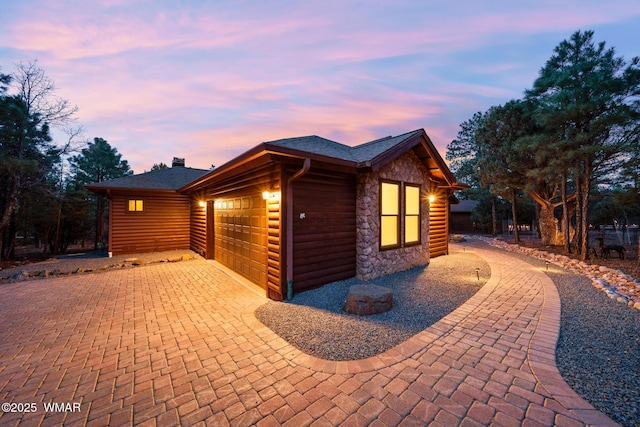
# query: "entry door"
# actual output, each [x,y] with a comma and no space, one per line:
[240,228]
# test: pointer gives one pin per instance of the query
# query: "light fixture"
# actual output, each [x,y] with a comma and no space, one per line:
[271,195]
[202,203]
[432,198]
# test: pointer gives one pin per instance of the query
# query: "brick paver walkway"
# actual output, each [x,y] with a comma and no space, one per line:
[177,344]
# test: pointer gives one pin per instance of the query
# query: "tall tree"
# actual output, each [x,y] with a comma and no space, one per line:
[26,156]
[502,165]
[29,106]
[462,153]
[589,96]
[99,162]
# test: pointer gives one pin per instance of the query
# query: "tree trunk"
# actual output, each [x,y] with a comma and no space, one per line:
[584,202]
[536,209]
[99,222]
[566,234]
[494,217]
[55,250]
[12,205]
[548,225]
[578,236]
[516,234]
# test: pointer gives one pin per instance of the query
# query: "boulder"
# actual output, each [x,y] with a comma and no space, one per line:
[367,299]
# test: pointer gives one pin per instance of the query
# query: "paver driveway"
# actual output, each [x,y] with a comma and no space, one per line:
[177,344]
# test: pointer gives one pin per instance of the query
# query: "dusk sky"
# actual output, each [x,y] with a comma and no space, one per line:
[207,80]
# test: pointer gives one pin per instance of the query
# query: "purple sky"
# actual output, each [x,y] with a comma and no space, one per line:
[207,80]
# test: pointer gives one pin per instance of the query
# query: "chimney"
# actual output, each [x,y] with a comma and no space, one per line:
[177,162]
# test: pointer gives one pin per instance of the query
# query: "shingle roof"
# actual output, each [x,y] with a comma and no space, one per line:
[163,179]
[316,145]
[370,150]
[360,153]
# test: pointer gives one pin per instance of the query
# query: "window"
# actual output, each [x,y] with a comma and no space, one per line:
[389,214]
[400,214]
[411,214]
[135,205]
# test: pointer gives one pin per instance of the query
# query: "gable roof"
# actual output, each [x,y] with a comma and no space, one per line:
[360,154]
[369,156]
[170,179]
[315,145]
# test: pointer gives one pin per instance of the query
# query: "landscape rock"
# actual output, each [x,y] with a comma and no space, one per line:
[368,299]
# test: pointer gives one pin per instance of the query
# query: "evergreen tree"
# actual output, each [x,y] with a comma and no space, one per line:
[98,162]
[587,101]
[462,153]
[26,157]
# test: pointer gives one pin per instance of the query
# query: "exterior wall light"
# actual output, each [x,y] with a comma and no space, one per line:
[202,203]
[432,198]
[271,195]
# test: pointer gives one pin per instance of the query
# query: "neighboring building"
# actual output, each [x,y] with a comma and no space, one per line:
[460,217]
[146,211]
[294,214]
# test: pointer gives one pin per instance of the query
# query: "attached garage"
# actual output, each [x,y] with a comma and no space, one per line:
[294,214]
[240,235]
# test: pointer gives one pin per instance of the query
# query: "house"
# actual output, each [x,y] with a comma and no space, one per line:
[460,217]
[297,213]
[146,211]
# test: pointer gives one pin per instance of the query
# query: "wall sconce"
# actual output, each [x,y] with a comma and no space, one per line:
[432,198]
[271,195]
[202,203]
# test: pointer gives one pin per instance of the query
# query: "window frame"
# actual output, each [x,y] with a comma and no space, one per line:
[401,217]
[418,215]
[398,216]
[128,209]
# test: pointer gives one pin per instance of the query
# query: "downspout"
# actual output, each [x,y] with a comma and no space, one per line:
[304,170]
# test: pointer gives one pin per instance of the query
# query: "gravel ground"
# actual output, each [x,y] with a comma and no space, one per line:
[315,323]
[598,352]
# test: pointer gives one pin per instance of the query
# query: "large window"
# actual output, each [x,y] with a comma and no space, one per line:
[399,209]
[389,214]
[411,214]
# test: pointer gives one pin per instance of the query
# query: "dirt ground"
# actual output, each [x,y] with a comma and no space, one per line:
[28,254]
[629,265]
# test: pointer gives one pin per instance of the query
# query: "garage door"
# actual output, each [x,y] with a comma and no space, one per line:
[240,228]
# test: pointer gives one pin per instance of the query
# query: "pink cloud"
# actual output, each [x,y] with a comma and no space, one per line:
[157,77]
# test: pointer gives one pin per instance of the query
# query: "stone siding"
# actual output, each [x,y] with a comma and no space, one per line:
[371,262]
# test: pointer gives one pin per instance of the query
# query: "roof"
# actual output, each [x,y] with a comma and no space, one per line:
[170,179]
[369,156]
[316,145]
[463,206]
[360,154]
[370,150]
